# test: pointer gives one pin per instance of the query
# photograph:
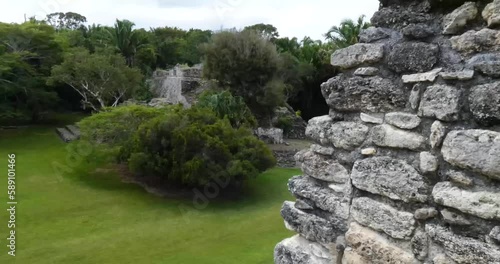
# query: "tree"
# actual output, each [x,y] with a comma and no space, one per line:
[247,65]
[224,105]
[347,33]
[69,20]
[127,40]
[27,53]
[101,79]
[267,31]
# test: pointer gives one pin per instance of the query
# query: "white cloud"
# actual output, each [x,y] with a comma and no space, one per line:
[297,18]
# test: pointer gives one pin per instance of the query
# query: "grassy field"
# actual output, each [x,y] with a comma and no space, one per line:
[101,220]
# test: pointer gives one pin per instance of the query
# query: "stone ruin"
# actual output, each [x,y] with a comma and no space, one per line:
[180,85]
[406,168]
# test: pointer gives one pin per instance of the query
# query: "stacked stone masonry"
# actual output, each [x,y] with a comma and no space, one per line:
[406,167]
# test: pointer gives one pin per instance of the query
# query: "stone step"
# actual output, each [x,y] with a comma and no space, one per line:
[65,134]
[74,130]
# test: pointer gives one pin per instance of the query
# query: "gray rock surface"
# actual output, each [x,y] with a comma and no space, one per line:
[495,234]
[428,162]
[438,132]
[373,34]
[357,54]
[484,103]
[323,168]
[298,250]
[369,151]
[415,97]
[372,118]
[477,150]
[327,151]
[336,202]
[318,129]
[348,135]
[482,204]
[487,64]
[413,57]
[371,94]
[403,120]
[491,13]
[455,21]
[418,31]
[459,178]
[270,135]
[366,71]
[425,213]
[422,77]
[389,136]
[389,177]
[463,249]
[420,245]
[458,75]
[374,248]
[453,218]
[311,227]
[441,102]
[382,217]
[476,41]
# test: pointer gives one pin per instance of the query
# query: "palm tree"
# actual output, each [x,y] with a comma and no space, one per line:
[126,40]
[347,33]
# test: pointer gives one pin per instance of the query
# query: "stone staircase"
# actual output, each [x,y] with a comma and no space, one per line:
[68,133]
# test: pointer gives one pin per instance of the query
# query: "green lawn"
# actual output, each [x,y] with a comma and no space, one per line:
[101,220]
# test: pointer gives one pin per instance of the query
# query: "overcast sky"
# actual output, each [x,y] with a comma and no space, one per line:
[297,18]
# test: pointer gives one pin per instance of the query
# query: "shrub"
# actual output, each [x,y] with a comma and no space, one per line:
[193,147]
[285,123]
[224,105]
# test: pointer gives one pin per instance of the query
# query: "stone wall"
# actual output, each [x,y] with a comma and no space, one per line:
[406,168]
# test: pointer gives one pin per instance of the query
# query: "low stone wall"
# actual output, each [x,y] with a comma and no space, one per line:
[406,168]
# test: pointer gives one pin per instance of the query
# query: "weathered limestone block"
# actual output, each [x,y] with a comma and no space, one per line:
[351,257]
[398,17]
[382,217]
[476,150]
[413,57]
[327,151]
[476,41]
[323,168]
[417,31]
[318,129]
[458,75]
[374,248]
[441,102]
[453,218]
[495,234]
[270,135]
[485,103]
[487,64]
[301,204]
[372,118]
[491,13]
[356,94]
[65,135]
[463,249]
[403,120]
[348,135]
[366,71]
[325,198]
[373,34]
[369,152]
[482,204]
[415,97]
[389,136]
[459,178]
[357,54]
[428,162]
[438,132]
[420,245]
[422,77]
[425,213]
[442,259]
[310,226]
[389,177]
[455,22]
[298,250]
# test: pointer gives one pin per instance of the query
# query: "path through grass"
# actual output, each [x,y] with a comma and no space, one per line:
[101,220]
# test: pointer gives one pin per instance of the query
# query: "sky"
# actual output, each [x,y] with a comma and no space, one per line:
[293,18]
